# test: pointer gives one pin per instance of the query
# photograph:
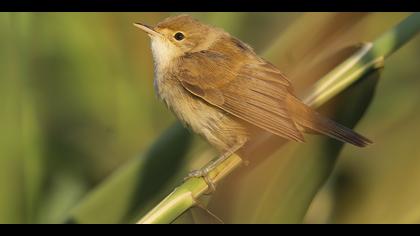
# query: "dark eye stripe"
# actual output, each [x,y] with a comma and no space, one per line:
[179,36]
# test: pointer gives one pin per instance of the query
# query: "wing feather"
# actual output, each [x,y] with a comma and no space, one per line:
[255,93]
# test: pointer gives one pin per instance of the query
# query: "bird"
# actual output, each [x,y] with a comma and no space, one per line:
[219,87]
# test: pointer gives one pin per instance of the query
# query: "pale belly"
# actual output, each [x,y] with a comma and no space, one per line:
[220,129]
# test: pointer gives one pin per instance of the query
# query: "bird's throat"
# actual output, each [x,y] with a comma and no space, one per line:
[164,52]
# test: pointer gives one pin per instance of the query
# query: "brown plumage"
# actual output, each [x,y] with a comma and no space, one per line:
[223,90]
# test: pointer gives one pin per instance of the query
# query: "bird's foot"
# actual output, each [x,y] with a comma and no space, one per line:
[203,173]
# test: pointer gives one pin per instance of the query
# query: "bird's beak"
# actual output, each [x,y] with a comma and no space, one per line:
[148,29]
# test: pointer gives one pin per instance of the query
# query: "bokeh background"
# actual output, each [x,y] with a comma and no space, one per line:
[78,115]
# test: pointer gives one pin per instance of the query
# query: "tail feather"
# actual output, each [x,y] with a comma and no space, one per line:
[310,119]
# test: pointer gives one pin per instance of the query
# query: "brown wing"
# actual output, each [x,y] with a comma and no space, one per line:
[253,92]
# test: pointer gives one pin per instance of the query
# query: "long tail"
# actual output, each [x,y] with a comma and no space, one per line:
[310,119]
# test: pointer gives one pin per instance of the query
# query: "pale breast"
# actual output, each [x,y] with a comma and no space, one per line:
[219,128]
[190,110]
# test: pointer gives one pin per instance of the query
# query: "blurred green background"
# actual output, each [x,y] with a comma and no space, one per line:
[77,105]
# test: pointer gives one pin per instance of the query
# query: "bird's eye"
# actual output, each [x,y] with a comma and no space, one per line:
[179,36]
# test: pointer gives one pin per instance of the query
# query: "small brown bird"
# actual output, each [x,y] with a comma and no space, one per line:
[220,88]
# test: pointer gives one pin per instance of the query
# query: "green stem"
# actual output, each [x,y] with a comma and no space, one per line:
[369,57]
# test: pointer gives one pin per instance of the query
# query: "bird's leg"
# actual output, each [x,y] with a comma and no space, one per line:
[203,172]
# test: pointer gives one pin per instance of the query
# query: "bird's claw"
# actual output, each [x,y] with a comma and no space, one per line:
[202,173]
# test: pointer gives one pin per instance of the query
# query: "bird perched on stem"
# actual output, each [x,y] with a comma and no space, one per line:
[220,88]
